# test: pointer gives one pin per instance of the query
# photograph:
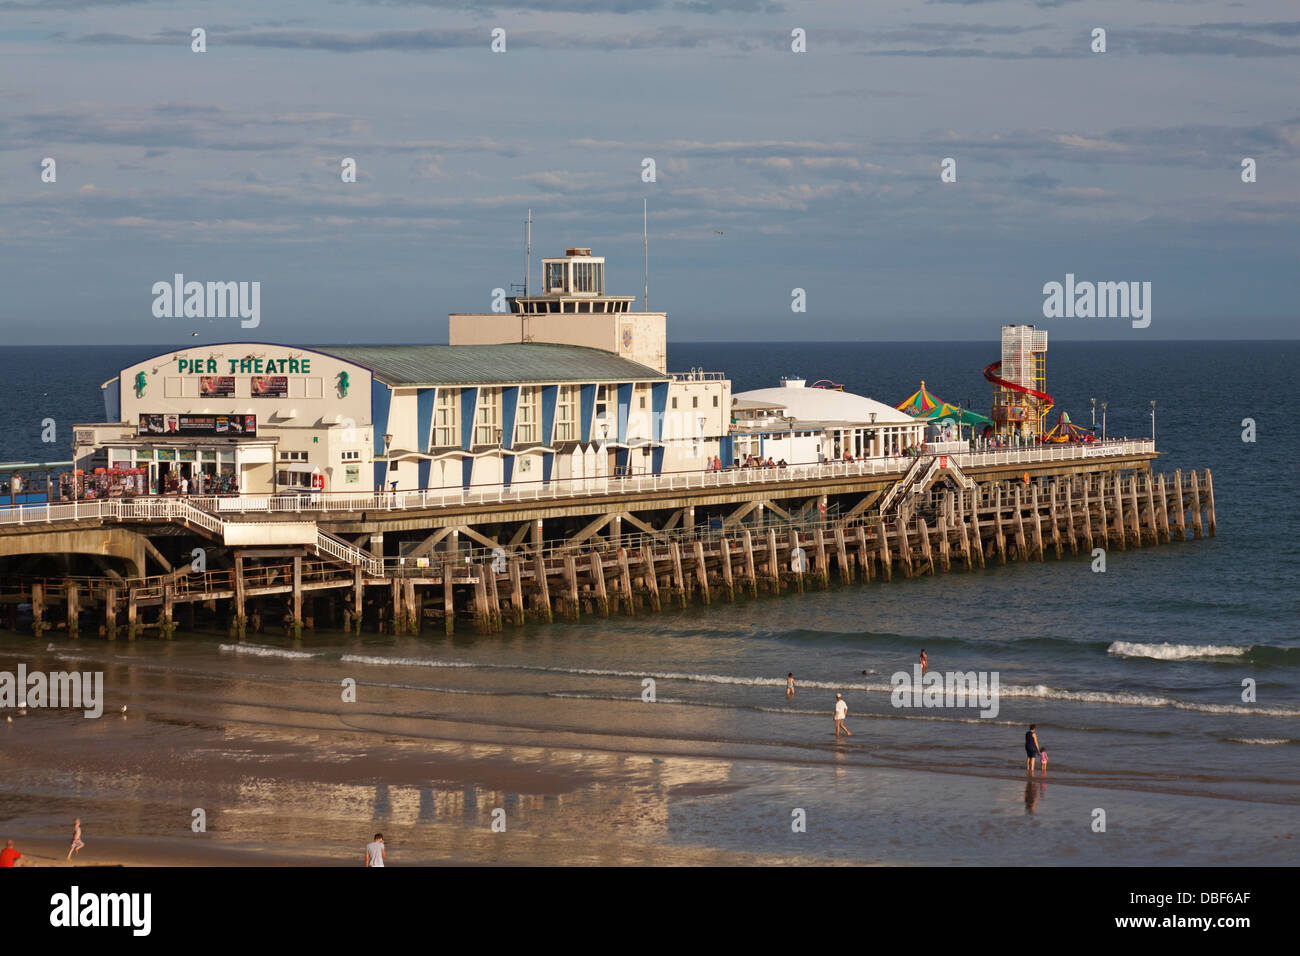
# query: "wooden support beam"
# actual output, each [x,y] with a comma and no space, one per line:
[865,502]
[701,571]
[154,553]
[999,538]
[494,597]
[598,584]
[1209,502]
[168,619]
[449,599]
[482,619]
[797,567]
[1120,528]
[521,532]
[679,578]
[1197,532]
[132,615]
[426,546]
[1134,511]
[399,614]
[638,523]
[904,547]
[882,545]
[572,605]
[412,606]
[1057,545]
[473,535]
[739,515]
[297,596]
[823,566]
[1070,532]
[724,566]
[651,577]
[843,560]
[541,589]
[780,511]
[625,583]
[1151,527]
[1180,516]
[591,528]
[110,612]
[1038,525]
[751,579]
[1022,547]
[72,595]
[927,554]
[516,592]
[1162,511]
[773,563]
[976,535]
[864,553]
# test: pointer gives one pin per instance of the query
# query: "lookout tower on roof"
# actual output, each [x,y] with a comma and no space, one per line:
[571,309]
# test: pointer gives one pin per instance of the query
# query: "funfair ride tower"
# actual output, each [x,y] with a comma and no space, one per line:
[1020,399]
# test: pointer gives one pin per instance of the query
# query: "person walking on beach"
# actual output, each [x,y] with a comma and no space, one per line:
[841,711]
[1031,748]
[375,851]
[789,685]
[76,838]
[925,662]
[9,856]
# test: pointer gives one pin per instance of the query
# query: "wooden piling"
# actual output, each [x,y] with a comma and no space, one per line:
[1055,519]
[751,578]
[168,619]
[724,566]
[297,596]
[882,546]
[399,613]
[773,562]
[864,554]
[598,584]
[1022,548]
[701,571]
[482,619]
[411,606]
[903,546]
[999,537]
[1133,510]
[571,606]
[652,575]
[542,589]
[72,595]
[927,556]
[132,612]
[110,612]
[797,567]
[517,592]
[494,597]
[449,601]
[1180,516]
[1120,527]
[823,570]
[1150,528]
[1209,502]
[1197,532]
[1162,511]
[679,578]
[842,558]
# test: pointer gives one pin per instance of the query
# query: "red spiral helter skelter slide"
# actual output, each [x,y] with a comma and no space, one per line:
[991,373]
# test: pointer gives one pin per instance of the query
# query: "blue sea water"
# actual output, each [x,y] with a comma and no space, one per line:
[1134,676]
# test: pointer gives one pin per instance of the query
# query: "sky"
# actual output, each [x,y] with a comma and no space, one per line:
[774,170]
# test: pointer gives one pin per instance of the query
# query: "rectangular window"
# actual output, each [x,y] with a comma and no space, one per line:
[695,401]
[584,277]
[674,401]
[566,413]
[488,417]
[293,456]
[643,401]
[555,277]
[715,401]
[351,456]
[444,419]
[525,426]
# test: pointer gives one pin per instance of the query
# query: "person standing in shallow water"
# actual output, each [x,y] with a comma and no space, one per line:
[924,661]
[841,711]
[789,685]
[1031,748]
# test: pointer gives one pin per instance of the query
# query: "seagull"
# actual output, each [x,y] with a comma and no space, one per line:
[716,232]
[192,334]
[124,708]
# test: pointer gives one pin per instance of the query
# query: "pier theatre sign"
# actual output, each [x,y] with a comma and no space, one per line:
[244,366]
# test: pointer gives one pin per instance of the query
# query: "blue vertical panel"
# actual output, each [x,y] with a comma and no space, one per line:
[423,466]
[728,453]
[466,470]
[548,459]
[113,401]
[620,460]
[587,394]
[423,418]
[549,395]
[381,396]
[507,469]
[509,405]
[468,405]
[658,402]
[657,460]
[381,468]
[624,406]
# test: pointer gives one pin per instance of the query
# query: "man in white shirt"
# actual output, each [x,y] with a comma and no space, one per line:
[841,711]
[375,851]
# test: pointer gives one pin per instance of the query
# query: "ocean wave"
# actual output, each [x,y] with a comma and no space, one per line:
[258,650]
[1176,652]
[1261,740]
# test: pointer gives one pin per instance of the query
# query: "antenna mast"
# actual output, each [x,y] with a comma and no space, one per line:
[528,252]
[645,244]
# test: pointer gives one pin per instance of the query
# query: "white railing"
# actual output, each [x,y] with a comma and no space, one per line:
[340,550]
[205,511]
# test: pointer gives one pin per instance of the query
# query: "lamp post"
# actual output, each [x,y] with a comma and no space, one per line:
[388,465]
[1153,419]
[874,435]
[1094,413]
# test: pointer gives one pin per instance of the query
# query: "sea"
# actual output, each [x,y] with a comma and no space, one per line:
[1165,689]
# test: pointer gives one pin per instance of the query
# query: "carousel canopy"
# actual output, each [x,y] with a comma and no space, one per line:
[921,404]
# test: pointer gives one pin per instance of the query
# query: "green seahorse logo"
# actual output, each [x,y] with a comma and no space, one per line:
[343,384]
[139,384]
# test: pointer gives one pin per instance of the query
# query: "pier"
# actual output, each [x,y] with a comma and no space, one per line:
[421,562]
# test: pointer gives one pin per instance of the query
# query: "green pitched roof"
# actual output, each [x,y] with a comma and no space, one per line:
[521,362]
